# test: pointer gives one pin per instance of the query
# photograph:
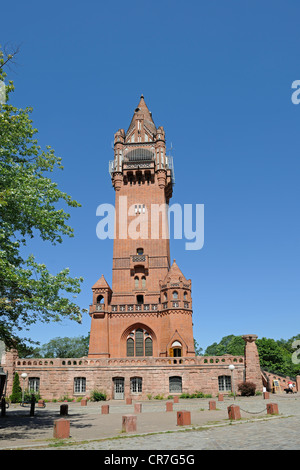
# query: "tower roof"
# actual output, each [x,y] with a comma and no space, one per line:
[175,273]
[101,284]
[142,109]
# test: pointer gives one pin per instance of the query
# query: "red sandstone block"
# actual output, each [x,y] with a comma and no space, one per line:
[61,428]
[169,406]
[84,402]
[176,399]
[212,405]
[137,407]
[128,401]
[41,404]
[128,423]
[220,397]
[272,409]
[266,395]
[105,409]
[183,418]
[234,412]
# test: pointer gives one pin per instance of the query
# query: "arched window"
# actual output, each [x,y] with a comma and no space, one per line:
[100,299]
[143,281]
[175,294]
[139,343]
[140,251]
[165,297]
[185,295]
[130,347]
[175,384]
[136,282]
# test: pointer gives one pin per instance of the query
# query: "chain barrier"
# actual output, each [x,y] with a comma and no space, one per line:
[251,412]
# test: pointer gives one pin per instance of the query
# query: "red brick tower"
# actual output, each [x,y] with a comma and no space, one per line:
[148,311]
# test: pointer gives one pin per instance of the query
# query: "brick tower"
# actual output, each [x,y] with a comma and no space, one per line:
[148,310]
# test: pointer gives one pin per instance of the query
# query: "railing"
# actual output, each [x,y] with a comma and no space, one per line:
[134,308]
[213,361]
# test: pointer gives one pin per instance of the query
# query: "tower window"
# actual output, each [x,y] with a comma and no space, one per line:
[139,343]
[143,282]
[175,294]
[100,299]
[140,251]
[140,299]
[136,282]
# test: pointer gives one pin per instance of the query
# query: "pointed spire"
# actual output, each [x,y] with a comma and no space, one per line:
[101,284]
[142,111]
[175,273]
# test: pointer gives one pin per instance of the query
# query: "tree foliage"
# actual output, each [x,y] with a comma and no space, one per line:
[63,347]
[274,355]
[29,207]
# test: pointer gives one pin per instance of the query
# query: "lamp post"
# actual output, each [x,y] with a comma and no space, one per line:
[24,375]
[231,368]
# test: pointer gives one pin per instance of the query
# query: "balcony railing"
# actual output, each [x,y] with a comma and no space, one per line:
[135,308]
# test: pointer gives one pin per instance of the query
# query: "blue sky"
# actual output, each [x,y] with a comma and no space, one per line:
[217,75]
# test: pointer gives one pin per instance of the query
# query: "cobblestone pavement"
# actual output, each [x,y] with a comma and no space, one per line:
[156,428]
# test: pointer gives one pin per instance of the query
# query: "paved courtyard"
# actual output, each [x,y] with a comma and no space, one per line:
[157,429]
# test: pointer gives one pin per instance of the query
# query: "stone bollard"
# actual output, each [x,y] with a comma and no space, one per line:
[128,423]
[105,409]
[183,418]
[128,401]
[176,399]
[64,409]
[234,412]
[169,406]
[84,402]
[41,404]
[221,397]
[137,407]
[272,409]
[61,428]
[266,395]
[212,405]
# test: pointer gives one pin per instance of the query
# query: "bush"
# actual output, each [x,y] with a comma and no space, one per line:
[247,389]
[96,395]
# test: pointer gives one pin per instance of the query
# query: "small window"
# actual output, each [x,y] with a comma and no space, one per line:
[140,299]
[79,385]
[136,384]
[34,384]
[224,383]
[175,384]
[143,281]
[136,282]
[175,294]
[140,251]
[185,296]
[100,299]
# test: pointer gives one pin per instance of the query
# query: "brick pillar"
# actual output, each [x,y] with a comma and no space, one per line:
[8,363]
[298,383]
[252,365]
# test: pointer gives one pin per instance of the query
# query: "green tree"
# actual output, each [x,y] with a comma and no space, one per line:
[198,350]
[29,207]
[16,395]
[230,344]
[64,347]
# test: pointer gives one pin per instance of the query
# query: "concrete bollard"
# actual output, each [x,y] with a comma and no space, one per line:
[169,406]
[183,418]
[212,405]
[105,409]
[61,428]
[128,423]
[234,412]
[84,402]
[266,395]
[137,407]
[176,399]
[128,401]
[272,409]
[221,397]
[64,409]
